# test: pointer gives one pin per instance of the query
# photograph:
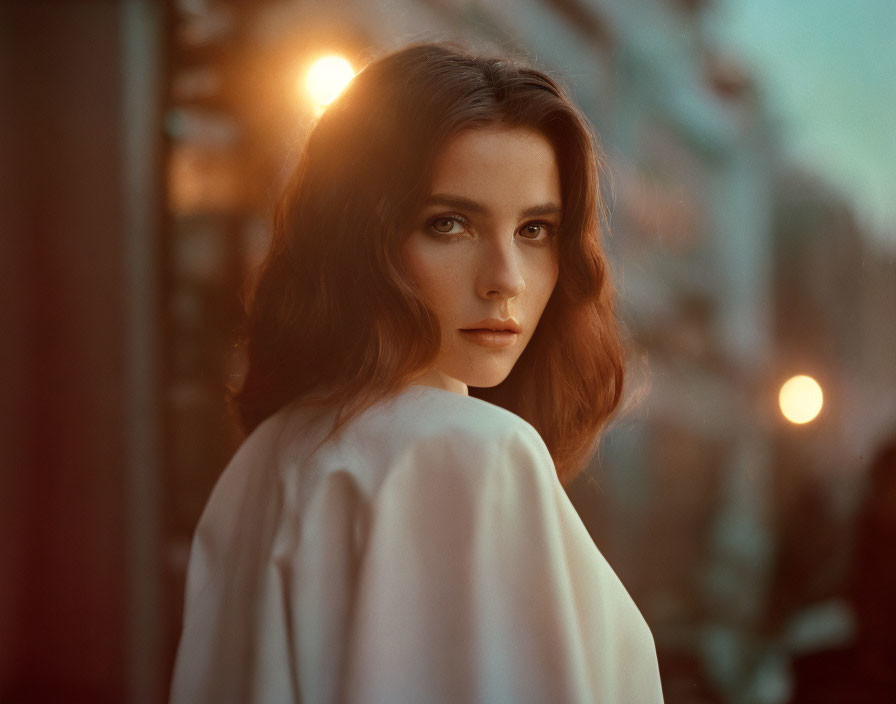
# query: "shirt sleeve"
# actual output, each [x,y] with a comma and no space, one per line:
[479,582]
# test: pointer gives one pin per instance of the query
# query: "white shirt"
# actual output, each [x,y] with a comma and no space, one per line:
[426,553]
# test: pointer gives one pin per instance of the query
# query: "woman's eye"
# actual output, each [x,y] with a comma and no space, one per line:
[537,228]
[446,225]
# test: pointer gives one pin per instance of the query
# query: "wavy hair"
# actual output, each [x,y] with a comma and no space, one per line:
[333,318]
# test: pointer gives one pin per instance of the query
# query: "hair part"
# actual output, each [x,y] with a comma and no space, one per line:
[332,318]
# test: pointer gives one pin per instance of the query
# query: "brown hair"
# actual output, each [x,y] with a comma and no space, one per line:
[333,319]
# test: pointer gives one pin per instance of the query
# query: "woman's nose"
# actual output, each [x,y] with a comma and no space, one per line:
[500,270]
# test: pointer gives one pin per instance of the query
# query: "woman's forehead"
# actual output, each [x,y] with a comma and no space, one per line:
[497,163]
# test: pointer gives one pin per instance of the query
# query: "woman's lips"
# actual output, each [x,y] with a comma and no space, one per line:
[491,338]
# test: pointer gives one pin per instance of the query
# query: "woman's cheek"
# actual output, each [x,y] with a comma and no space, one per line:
[539,272]
[434,270]
[443,281]
[415,260]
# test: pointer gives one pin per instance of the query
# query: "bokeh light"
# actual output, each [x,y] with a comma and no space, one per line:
[800,399]
[327,78]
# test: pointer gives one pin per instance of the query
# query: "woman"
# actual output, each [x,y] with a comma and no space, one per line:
[382,535]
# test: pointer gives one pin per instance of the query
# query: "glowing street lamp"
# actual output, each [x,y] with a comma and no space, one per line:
[800,399]
[327,78]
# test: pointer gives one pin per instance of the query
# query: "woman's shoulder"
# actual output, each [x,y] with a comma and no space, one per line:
[432,430]
[429,410]
[423,428]
[423,415]
[417,412]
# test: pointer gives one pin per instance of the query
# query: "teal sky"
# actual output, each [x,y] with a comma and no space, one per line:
[828,69]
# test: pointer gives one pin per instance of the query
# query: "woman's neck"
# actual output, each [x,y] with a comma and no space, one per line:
[440,380]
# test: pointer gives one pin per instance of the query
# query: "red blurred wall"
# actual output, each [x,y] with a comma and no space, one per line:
[62,551]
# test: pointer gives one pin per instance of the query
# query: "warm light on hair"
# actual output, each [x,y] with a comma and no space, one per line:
[327,78]
[800,399]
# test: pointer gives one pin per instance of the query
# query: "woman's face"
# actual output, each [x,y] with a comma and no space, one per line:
[485,247]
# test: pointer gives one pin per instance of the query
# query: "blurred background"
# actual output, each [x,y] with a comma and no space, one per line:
[746,496]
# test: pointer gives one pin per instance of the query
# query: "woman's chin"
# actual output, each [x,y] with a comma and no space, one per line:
[486,379]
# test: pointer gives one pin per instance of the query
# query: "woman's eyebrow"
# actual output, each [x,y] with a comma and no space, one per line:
[472,206]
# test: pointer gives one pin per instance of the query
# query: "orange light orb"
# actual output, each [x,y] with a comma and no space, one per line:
[800,399]
[327,78]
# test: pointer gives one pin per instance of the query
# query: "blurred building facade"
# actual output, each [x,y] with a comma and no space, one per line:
[731,527]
